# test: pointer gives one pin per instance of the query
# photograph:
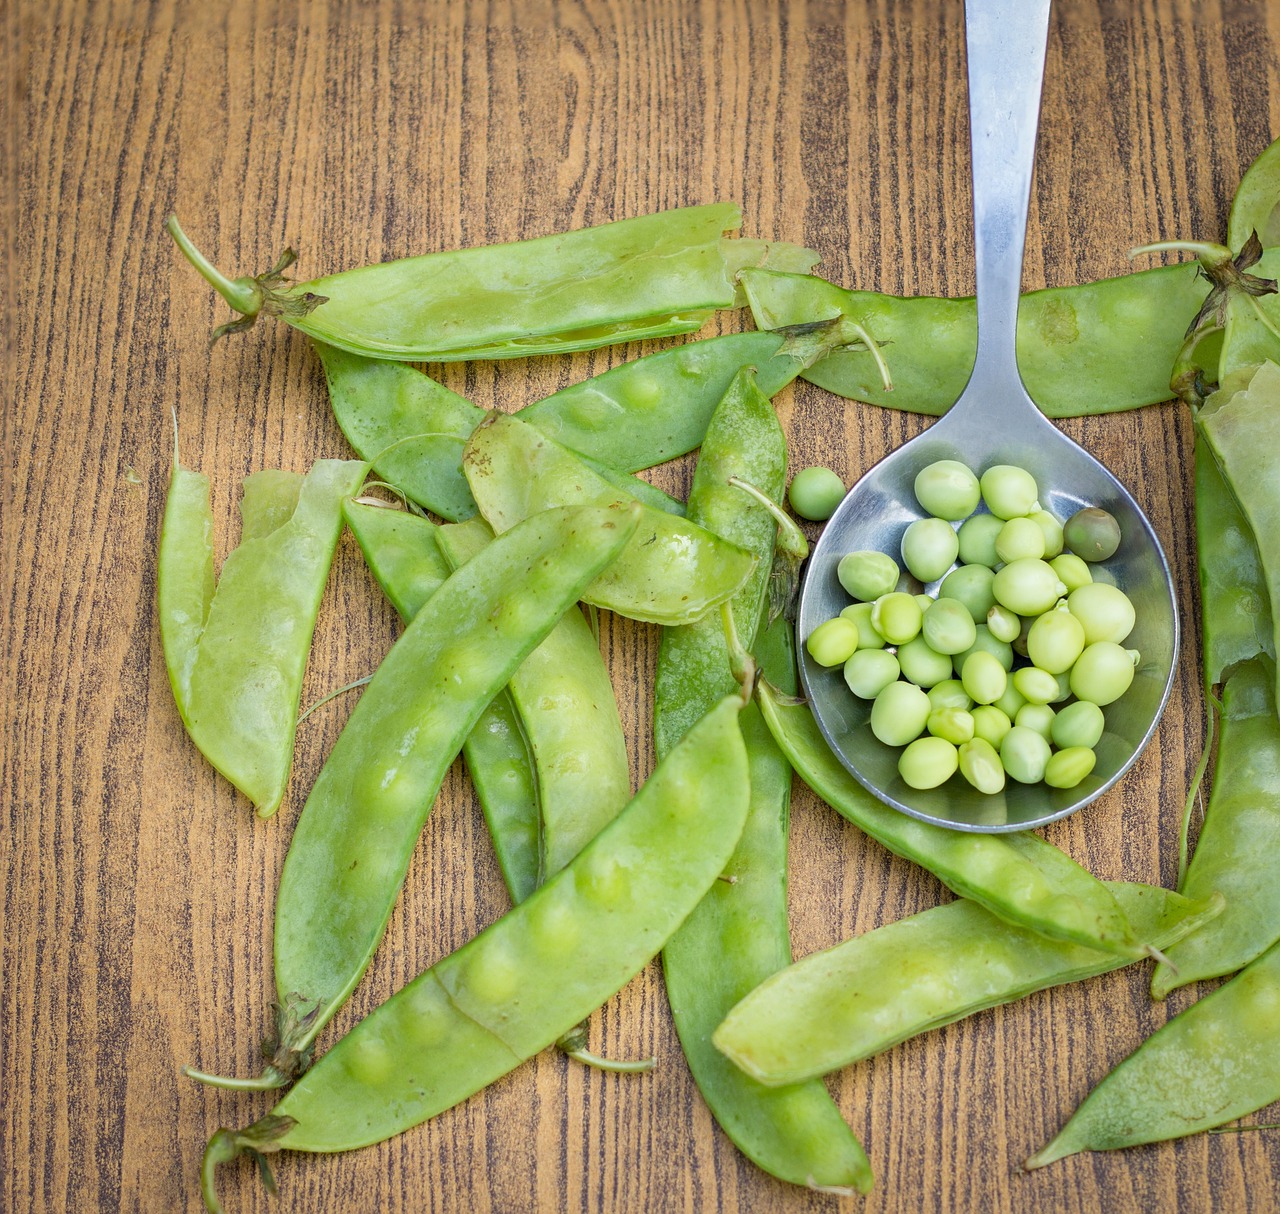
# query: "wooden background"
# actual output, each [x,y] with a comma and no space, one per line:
[138,887]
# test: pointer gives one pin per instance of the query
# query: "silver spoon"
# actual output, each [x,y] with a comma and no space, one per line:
[995,422]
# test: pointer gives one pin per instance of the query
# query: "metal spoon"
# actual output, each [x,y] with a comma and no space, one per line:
[995,422]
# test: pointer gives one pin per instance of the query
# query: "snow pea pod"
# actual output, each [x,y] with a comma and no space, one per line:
[236,647]
[672,571]
[1075,344]
[515,988]
[869,993]
[651,276]
[1209,1065]
[1238,853]
[404,556]
[1256,205]
[1019,877]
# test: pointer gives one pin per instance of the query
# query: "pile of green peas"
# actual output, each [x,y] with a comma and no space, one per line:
[1006,671]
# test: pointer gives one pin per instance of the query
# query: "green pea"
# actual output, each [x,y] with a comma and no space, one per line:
[1052,531]
[950,693]
[1009,491]
[1103,672]
[899,713]
[1064,687]
[1092,534]
[1038,717]
[833,643]
[860,614]
[815,493]
[970,585]
[925,600]
[867,575]
[983,641]
[1071,571]
[1079,724]
[1024,754]
[948,626]
[1028,586]
[947,489]
[928,762]
[1003,624]
[990,724]
[869,671]
[953,724]
[977,537]
[1055,640]
[1105,613]
[923,665]
[980,765]
[929,548]
[1035,685]
[1011,701]
[983,677]
[1020,539]
[897,617]
[1068,767]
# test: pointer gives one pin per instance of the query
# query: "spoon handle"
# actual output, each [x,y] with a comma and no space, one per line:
[1006,41]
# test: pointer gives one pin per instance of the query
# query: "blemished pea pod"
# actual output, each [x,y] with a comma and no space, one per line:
[869,993]
[535,973]
[1019,877]
[414,431]
[1209,1065]
[566,705]
[671,572]
[236,646]
[403,554]
[1075,344]
[1238,853]
[652,276]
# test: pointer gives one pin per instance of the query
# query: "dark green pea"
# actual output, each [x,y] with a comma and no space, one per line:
[1092,534]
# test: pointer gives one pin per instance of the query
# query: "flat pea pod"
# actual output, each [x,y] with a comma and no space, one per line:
[651,276]
[671,572]
[236,647]
[1018,877]
[535,973]
[565,703]
[1209,1065]
[1238,853]
[1075,344]
[1256,205]
[403,553]
[869,993]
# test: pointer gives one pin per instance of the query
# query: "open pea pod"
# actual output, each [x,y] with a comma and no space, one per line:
[863,996]
[236,647]
[1075,344]
[652,276]
[535,973]
[671,572]
[1256,205]
[1018,877]
[1209,1065]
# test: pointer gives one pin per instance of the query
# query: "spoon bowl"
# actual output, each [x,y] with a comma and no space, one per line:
[995,422]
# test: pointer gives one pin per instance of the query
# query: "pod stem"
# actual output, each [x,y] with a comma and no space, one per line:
[258,1140]
[741,663]
[288,1051]
[574,1044]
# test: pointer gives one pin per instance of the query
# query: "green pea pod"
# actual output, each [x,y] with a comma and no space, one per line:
[1075,344]
[1256,205]
[1018,877]
[1238,853]
[565,702]
[672,571]
[536,972]
[404,556]
[236,648]
[867,994]
[1213,1063]
[651,276]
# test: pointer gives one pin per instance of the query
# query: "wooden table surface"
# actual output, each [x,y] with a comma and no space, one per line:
[139,887]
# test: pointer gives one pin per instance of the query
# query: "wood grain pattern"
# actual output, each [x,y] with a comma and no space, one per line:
[138,887]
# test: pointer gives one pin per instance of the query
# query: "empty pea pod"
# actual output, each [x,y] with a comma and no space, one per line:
[671,572]
[535,973]
[869,993]
[652,276]
[236,647]
[354,839]
[1019,877]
